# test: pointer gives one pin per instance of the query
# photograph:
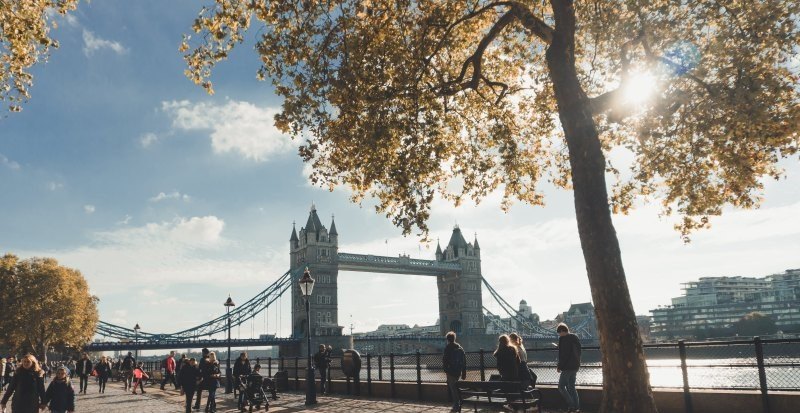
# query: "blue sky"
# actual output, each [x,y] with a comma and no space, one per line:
[168,199]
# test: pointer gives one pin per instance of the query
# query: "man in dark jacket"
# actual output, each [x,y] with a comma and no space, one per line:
[240,368]
[84,369]
[126,367]
[200,367]
[322,359]
[454,362]
[188,376]
[569,360]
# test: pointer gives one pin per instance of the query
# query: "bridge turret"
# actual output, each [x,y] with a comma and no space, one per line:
[317,250]
[293,240]
[334,235]
[460,304]
[439,253]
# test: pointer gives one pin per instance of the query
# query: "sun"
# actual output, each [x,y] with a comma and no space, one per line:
[639,88]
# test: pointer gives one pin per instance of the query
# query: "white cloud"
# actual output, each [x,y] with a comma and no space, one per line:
[148,139]
[172,195]
[240,127]
[8,163]
[92,43]
[125,220]
[54,186]
[89,209]
[194,232]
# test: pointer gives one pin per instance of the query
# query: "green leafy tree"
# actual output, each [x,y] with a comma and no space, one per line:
[755,324]
[401,100]
[24,41]
[43,305]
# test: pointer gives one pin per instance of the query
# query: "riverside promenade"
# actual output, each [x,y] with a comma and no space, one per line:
[115,400]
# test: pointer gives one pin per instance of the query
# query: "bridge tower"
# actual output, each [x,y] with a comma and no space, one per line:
[460,304]
[316,247]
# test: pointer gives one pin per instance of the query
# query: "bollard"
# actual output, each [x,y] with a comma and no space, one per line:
[269,366]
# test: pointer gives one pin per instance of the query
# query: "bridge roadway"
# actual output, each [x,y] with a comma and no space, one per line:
[173,344]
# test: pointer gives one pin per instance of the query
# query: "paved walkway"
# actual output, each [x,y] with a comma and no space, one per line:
[115,400]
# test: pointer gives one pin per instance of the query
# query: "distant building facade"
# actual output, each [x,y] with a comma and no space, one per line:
[497,325]
[716,303]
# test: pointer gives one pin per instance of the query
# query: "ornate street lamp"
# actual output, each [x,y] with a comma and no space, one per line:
[306,286]
[228,382]
[136,329]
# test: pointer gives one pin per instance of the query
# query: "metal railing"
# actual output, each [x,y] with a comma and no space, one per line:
[761,365]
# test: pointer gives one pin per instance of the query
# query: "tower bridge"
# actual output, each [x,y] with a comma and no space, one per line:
[456,268]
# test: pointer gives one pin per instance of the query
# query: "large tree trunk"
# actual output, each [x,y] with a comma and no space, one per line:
[626,384]
[43,353]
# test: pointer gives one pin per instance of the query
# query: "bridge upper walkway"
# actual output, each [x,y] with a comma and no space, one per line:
[394,265]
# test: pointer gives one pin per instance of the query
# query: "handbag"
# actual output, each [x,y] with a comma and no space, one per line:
[94,372]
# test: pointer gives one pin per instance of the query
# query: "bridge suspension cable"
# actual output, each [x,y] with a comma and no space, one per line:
[526,327]
[241,314]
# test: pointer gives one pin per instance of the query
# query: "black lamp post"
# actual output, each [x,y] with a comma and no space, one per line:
[136,329]
[228,382]
[306,286]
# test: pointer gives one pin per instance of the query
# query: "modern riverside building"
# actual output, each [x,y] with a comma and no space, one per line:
[716,303]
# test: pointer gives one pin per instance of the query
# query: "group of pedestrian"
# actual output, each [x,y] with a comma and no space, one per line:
[512,364]
[194,377]
[27,387]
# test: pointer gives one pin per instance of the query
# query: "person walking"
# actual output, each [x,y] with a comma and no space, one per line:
[84,369]
[322,362]
[139,377]
[178,366]
[103,369]
[126,369]
[569,360]
[9,373]
[71,367]
[454,362]
[27,387]
[211,374]
[169,370]
[188,376]
[200,366]
[507,359]
[2,373]
[240,368]
[60,393]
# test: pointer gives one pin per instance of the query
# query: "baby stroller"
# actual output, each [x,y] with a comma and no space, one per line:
[252,386]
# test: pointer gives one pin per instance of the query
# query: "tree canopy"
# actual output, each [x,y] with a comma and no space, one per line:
[24,41]
[403,99]
[44,304]
[755,324]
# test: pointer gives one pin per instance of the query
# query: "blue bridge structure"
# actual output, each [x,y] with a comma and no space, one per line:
[456,268]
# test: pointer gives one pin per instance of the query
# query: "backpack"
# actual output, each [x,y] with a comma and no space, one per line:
[456,362]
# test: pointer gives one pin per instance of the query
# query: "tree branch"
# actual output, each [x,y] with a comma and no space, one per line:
[453,87]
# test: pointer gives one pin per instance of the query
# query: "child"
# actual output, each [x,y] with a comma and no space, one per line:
[60,395]
[139,376]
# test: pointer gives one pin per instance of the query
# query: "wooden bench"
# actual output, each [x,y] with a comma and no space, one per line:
[499,393]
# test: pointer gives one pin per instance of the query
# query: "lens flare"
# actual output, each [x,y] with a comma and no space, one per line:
[639,88]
